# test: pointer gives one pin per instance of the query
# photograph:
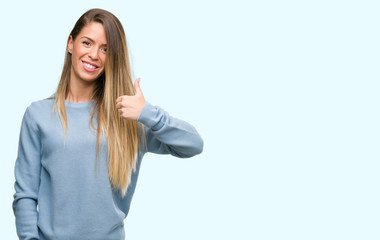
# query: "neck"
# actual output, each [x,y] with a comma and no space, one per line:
[80,91]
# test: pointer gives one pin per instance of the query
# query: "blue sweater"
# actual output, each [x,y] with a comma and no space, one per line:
[58,194]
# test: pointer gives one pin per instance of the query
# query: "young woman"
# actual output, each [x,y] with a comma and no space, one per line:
[80,151]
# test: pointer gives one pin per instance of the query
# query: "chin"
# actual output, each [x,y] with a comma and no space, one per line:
[87,78]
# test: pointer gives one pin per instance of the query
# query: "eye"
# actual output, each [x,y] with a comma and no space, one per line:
[86,43]
[104,49]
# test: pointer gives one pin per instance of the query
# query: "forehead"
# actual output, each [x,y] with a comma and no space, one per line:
[95,31]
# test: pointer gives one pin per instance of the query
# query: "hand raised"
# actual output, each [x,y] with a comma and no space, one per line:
[130,107]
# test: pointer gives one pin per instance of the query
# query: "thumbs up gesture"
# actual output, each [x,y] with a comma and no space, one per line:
[130,107]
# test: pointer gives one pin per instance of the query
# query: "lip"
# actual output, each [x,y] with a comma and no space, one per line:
[89,69]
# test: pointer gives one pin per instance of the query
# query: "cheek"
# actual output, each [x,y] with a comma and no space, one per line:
[78,51]
[104,59]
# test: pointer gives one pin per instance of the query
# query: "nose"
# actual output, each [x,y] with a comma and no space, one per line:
[93,53]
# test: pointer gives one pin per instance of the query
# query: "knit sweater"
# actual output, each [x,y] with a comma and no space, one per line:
[59,194]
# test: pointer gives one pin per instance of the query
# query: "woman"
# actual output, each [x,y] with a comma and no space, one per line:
[80,151]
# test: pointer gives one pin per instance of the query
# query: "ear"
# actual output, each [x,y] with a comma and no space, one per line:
[70,44]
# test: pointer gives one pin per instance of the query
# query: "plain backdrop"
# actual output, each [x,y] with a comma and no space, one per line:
[284,93]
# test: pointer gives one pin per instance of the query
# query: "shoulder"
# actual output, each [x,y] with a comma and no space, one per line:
[41,106]
[39,109]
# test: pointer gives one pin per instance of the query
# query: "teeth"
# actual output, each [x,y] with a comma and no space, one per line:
[89,66]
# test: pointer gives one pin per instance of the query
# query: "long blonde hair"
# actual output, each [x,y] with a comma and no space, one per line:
[123,136]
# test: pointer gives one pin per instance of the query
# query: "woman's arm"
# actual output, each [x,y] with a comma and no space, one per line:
[27,174]
[164,134]
[168,135]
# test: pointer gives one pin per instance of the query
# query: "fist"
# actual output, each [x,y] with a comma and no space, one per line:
[130,107]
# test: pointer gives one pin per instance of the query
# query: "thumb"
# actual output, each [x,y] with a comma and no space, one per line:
[137,86]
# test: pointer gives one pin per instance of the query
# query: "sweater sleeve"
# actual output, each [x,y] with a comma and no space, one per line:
[168,135]
[27,174]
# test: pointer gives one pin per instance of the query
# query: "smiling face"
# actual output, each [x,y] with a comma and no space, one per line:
[88,53]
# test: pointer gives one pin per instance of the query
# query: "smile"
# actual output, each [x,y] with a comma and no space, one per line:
[89,67]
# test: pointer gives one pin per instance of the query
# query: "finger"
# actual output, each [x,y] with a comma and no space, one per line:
[120,99]
[137,86]
[121,104]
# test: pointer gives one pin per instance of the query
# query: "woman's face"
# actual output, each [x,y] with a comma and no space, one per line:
[88,53]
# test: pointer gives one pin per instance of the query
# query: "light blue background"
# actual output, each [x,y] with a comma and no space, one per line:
[284,93]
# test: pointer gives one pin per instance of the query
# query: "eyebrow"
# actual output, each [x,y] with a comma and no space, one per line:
[104,44]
